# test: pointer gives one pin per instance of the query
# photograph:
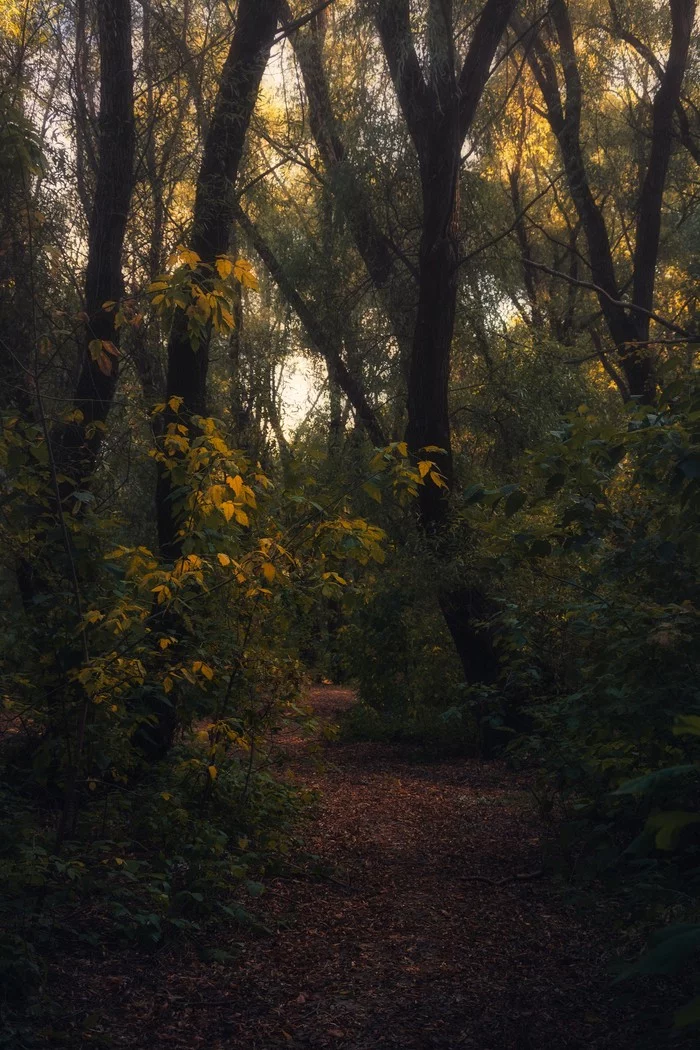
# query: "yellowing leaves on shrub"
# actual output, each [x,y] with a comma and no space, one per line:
[235,483]
[243,272]
[204,669]
[224,267]
[185,257]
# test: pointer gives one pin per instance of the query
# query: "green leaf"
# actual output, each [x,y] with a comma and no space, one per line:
[473,494]
[372,491]
[669,824]
[514,502]
[650,781]
[687,725]
[555,483]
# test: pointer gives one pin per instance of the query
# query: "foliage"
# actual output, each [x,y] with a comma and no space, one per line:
[600,548]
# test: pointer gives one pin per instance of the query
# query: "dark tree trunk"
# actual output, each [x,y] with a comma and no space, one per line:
[666,103]
[77,444]
[429,375]
[214,213]
[439,114]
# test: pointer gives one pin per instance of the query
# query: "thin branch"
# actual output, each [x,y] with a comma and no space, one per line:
[615,302]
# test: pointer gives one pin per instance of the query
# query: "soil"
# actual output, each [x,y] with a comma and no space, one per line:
[411,929]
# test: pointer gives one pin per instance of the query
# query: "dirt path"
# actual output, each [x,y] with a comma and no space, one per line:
[398,951]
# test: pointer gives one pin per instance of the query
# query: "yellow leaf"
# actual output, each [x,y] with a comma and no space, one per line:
[224,559]
[269,571]
[235,483]
[228,509]
[241,516]
[166,796]
[189,258]
[424,466]
[437,479]
[213,772]
[217,494]
[119,553]
[207,672]
[243,272]
[224,267]
[168,685]
[174,403]
[402,449]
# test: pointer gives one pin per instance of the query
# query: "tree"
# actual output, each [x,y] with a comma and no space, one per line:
[628,322]
[213,218]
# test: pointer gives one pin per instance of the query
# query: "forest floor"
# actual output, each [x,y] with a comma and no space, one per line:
[401,947]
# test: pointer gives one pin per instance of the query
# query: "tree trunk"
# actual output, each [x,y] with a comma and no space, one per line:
[77,443]
[439,114]
[214,213]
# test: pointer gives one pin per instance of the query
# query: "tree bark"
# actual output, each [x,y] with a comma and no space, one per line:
[77,443]
[214,213]
[439,114]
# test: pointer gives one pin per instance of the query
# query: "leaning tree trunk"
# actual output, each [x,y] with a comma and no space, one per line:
[214,214]
[211,233]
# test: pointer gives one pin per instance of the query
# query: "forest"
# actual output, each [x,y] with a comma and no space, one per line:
[349,524]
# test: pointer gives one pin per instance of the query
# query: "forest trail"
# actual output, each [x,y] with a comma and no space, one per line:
[396,950]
